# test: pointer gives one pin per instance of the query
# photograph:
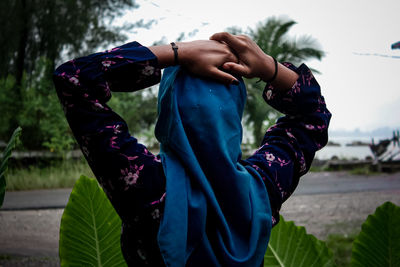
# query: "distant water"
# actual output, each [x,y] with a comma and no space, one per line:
[346,152]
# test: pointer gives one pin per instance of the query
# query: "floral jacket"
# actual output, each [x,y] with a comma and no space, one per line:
[133,177]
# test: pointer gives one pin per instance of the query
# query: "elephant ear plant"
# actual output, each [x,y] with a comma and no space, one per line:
[90,236]
[4,162]
[90,228]
[378,244]
[290,245]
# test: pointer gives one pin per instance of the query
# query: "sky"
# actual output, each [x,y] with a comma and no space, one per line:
[360,74]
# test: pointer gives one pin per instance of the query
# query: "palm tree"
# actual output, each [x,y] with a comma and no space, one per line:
[272,37]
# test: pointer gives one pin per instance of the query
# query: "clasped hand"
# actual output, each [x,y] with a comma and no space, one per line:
[223,57]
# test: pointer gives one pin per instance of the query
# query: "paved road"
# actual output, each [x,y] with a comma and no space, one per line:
[310,184]
[36,199]
[341,182]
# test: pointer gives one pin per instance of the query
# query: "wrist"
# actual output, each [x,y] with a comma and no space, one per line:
[184,52]
[165,55]
[268,68]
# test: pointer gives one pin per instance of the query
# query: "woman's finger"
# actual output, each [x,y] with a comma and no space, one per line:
[236,69]
[222,76]
[227,38]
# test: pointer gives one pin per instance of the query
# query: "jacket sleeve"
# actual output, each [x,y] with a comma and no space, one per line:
[289,146]
[119,162]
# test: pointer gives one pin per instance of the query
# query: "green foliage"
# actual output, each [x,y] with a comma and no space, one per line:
[258,115]
[139,109]
[4,162]
[365,170]
[41,34]
[7,109]
[272,37]
[378,242]
[56,175]
[290,245]
[42,114]
[90,228]
[39,113]
[44,28]
[341,246]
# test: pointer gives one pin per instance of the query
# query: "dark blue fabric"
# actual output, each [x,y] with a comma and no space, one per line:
[217,211]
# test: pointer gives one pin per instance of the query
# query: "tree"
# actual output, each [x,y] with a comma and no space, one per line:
[35,35]
[31,29]
[272,37]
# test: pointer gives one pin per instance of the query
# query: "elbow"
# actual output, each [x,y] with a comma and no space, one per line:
[64,70]
[65,73]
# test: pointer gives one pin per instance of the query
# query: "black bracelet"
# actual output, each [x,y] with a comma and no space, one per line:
[276,72]
[175,48]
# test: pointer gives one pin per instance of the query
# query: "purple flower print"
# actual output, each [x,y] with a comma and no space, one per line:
[131,176]
[155,214]
[97,105]
[273,220]
[129,157]
[107,63]
[268,94]
[269,156]
[296,88]
[309,127]
[106,89]
[302,163]
[148,70]
[116,128]
[142,254]
[112,50]
[272,159]
[159,200]
[74,80]
[84,145]
[282,162]
[147,153]
[290,135]
[113,144]
[308,77]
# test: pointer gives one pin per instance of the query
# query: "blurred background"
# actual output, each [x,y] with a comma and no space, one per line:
[351,46]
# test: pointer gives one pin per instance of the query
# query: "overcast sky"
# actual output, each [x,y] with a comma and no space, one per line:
[362,91]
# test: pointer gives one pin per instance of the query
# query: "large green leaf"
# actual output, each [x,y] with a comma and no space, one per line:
[290,245]
[90,228]
[378,243]
[4,162]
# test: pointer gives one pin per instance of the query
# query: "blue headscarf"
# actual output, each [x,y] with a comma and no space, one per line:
[217,211]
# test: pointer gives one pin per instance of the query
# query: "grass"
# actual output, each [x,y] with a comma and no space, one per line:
[5,257]
[17,260]
[363,171]
[323,168]
[56,175]
[64,174]
[341,246]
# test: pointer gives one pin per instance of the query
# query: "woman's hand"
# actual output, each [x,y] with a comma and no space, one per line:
[204,58]
[253,62]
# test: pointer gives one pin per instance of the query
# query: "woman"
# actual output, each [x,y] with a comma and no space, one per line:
[138,183]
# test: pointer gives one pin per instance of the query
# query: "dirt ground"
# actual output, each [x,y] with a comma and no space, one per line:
[30,238]
[335,213]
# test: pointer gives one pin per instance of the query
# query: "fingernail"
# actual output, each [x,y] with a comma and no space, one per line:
[235,82]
